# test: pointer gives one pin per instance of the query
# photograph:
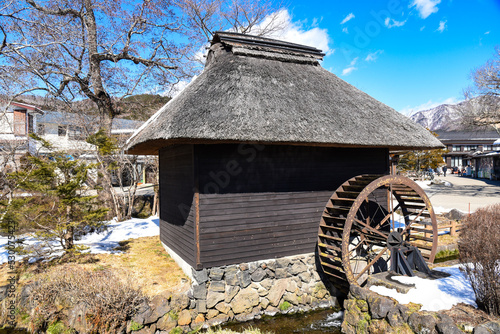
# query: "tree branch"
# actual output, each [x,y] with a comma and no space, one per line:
[58,12]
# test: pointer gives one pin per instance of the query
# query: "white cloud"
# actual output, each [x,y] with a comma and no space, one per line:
[426,7]
[351,67]
[348,18]
[442,26]
[348,70]
[487,33]
[345,30]
[422,29]
[373,56]
[178,87]
[391,23]
[295,32]
[408,110]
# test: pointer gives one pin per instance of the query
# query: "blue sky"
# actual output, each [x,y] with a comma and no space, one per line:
[409,54]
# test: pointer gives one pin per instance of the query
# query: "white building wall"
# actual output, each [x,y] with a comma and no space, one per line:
[6,123]
[64,143]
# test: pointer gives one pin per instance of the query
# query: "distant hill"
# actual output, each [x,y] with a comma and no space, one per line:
[135,107]
[141,107]
[445,117]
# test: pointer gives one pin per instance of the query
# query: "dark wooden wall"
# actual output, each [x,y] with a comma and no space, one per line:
[262,202]
[177,206]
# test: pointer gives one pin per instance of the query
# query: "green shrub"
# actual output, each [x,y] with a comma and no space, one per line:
[174,315]
[135,326]
[446,255]
[176,330]
[58,328]
[285,306]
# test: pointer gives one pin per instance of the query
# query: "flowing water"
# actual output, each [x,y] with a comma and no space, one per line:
[315,322]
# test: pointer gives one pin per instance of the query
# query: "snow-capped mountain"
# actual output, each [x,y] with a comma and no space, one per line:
[445,117]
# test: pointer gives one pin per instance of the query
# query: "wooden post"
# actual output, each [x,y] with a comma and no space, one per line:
[196,182]
[453,228]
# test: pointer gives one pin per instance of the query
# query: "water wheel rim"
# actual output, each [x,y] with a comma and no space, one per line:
[334,234]
[363,195]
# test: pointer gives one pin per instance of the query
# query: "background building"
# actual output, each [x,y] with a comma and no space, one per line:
[463,145]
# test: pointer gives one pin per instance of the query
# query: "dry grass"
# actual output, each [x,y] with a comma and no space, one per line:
[109,300]
[447,239]
[144,259]
[148,262]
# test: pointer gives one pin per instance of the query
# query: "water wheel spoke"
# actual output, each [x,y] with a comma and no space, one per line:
[389,215]
[372,229]
[414,220]
[371,263]
[361,243]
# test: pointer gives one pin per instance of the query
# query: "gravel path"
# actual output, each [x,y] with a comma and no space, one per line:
[464,194]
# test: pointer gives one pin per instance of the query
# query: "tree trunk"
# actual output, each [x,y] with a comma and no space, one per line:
[155,203]
[99,96]
[69,238]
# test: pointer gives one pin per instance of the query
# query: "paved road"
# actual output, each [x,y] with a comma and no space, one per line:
[464,192]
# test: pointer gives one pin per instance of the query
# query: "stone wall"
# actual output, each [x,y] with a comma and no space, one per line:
[368,312]
[238,293]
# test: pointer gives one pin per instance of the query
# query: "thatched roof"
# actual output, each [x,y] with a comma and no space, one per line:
[260,90]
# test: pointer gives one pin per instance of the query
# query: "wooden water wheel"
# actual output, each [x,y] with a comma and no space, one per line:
[358,219]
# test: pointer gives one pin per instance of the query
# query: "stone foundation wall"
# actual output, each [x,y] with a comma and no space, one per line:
[368,312]
[239,293]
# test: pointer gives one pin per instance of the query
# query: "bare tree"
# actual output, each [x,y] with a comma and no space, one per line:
[91,49]
[103,50]
[482,107]
[258,17]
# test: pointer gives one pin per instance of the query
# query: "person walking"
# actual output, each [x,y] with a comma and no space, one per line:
[444,170]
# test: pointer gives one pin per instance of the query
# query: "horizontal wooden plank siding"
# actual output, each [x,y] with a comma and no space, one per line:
[262,202]
[177,207]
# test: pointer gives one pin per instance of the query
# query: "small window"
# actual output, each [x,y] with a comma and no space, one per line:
[487,147]
[40,129]
[456,162]
[457,148]
[76,132]
[470,148]
[19,123]
[61,130]
[30,123]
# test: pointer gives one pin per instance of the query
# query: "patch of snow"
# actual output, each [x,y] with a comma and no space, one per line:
[423,184]
[98,242]
[434,295]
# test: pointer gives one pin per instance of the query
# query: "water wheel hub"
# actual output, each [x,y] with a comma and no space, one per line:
[395,239]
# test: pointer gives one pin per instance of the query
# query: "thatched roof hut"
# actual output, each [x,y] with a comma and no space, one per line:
[267,91]
[252,149]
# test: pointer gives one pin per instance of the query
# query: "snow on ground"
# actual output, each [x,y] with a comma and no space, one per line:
[118,231]
[102,242]
[423,184]
[434,295]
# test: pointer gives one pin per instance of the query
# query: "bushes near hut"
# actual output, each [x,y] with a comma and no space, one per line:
[479,247]
[106,300]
